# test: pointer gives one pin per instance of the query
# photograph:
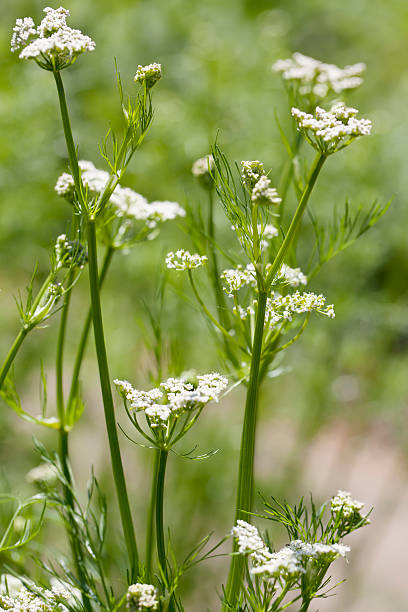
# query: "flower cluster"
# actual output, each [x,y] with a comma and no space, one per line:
[252,172]
[311,77]
[43,474]
[282,308]
[126,203]
[69,253]
[202,169]
[148,75]
[347,510]
[141,597]
[174,397]
[290,562]
[42,600]
[263,193]
[235,278]
[184,260]
[53,44]
[293,276]
[330,131]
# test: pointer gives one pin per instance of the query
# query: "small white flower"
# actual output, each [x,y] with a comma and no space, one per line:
[141,597]
[293,276]
[184,260]
[149,74]
[345,506]
[250,543]
[262,193]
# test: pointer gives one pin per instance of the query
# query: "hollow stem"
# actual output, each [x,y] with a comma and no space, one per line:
[150,529]
[116,459]
[85,333]
[247,453]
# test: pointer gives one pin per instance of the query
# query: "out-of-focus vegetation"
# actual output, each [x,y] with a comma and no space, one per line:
[349,374]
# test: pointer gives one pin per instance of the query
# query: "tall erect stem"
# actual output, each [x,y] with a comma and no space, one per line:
[247,451]
[161,546]
[116,460]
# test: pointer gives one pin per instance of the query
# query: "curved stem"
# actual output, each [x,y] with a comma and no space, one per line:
[150,517]
[116,459]
[247,453]
[12,354]
[85,333]
[161,547]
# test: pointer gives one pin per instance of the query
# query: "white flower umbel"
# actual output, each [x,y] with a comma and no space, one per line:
[310,77]
[148,75]
[322,553]
[43,474]
[284,564]
[184,260]
[263,193]
[347,510]
[141,597]
[251,172]
[202,169]
[53,44]
[43,600]
[293,276]
[330,131]
[236,278]
[174,397]
[250,543]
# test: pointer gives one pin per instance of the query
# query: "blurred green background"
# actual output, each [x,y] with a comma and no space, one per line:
[338,417]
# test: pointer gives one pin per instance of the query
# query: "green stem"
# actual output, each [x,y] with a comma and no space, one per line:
[314,173]
[116,460]
[60,352]
[11,354]
[247,453]
[161,546]
[150,517]
[219,294]
[85,333]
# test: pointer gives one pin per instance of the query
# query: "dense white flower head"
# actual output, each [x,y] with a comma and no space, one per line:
[344,506]
[141,597]
[322,553]
[250,543]
[174,397]
[293,276]
[126,203]
[263,193]
[52,44]
[312,77]
[148,75]
[236,278]
[251,172]
[42,474]
[284,564]
[330,131]
[23,600]
[184,260]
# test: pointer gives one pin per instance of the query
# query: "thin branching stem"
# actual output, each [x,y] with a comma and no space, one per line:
[85,333]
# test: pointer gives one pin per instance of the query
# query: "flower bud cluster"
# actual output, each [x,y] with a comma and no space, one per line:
[44,473]
[148,75]
[312,77]
[69,253]
[53,44]
[252,172]
[174,397]
[202,169]
[347,510]
[141,597]
[184,260]
[330,131]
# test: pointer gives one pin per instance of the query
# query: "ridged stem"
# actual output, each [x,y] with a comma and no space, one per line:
[150,528]
[161,546]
